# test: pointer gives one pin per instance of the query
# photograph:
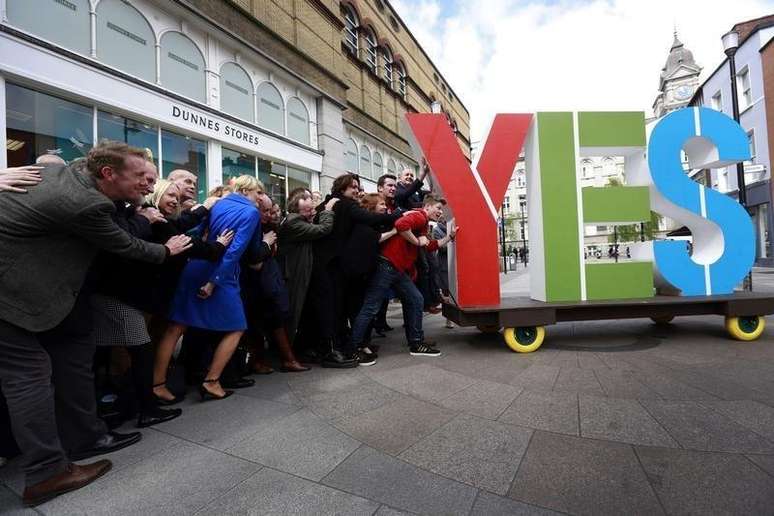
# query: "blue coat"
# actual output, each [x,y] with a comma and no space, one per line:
[223,310]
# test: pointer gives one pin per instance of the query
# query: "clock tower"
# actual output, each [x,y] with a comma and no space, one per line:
[679,80]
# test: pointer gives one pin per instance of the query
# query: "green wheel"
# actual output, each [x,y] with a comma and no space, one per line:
[662,319]
[524,339]
[489,329]
[745,327]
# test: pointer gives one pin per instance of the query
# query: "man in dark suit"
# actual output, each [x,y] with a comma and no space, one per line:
[48,238]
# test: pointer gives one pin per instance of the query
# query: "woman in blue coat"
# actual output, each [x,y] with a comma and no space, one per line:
[207,294]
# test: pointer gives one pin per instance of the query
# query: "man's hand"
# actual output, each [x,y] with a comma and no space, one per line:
[209,202]
[178,244]
[330,204]
[453,228]
[425,170]
[13,179]
[226,237]
[270,238]
[206,290]
[152,214]
[423,241]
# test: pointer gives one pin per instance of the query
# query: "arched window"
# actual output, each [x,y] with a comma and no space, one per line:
[351,25]
[371,49]
[298,121]
[387,69]
[271,108]
[64,23]
[182,66]
[401,71]
[378,166]
[350,156]
[365,162]
[391,166]
[236,92]
[125,40]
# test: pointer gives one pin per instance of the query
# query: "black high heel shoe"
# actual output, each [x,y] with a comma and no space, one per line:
[205,394]
[164,402]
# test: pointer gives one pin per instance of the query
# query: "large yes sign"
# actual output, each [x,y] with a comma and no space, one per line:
[559,207]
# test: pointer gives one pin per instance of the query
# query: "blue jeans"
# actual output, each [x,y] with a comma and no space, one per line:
[386,277]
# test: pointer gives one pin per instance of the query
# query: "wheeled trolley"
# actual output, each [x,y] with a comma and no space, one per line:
[524,320]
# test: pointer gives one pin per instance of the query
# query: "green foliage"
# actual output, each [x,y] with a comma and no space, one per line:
[634,232]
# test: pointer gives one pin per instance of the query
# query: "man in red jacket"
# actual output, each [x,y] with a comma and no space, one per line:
[396,270]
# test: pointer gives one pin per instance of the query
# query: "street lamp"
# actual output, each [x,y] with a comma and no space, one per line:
[730,45]
[522,204]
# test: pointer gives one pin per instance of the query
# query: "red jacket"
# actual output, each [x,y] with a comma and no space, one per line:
[401,253]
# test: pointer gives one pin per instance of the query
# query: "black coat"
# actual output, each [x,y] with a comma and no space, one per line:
[409,197]
[348,213]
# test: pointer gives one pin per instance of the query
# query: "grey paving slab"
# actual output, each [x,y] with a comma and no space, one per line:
[537,377]
[583,476]
[765,462]
[718,386]
[179,481]
[302,444]
[574,379]
[566,359]
[670,388]
[423,381]
[324,381]
[221,424]
[483,399]
[360,398]
[551,411]
[689,482]
[488,504]
[274,492]
[394,427]
[621,420]
[272,387]
[479,452]
[11,504]
[621,383]
[386,510]
[699,428]
[753,415]
[376,476]
[590,360]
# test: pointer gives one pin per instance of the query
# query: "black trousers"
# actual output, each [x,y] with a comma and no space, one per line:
[48,383]
[326,296]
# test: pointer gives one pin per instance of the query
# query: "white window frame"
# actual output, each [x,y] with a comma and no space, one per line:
[371,50]
[745,90]
[351,26]
[387,67]
[716,101]
[401,79]
[752,145]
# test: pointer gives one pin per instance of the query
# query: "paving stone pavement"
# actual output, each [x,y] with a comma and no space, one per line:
[611,417]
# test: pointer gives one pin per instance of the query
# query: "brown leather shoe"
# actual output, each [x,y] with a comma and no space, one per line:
[72,478]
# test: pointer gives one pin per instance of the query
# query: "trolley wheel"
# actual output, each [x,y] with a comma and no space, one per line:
[662,319]
[745,327]
[524,339]
[489,329]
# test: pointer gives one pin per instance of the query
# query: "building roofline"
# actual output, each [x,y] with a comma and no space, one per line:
[421,49]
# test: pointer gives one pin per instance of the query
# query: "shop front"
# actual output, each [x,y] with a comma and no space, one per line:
[52,103]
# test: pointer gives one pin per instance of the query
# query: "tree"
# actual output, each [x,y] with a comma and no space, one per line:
[634,232]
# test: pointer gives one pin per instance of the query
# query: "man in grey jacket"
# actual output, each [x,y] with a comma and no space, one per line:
[48,238]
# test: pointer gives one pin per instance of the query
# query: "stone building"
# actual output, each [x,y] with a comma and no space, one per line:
[294,91]
[678,80]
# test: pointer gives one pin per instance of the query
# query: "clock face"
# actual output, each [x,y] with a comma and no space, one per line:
[683,92]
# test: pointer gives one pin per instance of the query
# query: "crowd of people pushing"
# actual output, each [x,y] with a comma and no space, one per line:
[103,254]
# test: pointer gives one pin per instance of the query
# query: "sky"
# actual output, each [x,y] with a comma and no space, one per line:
[526,55]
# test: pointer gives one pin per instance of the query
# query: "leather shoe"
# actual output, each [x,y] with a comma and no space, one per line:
[157,416]
[238,383]
[72,478]
[108,443]
[338,360]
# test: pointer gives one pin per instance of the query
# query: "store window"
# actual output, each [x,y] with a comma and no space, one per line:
[270,108]
[182,66]
[65,23]
[298,121]
[125,40]
[122,129]
[365,162]
[37,123]
[298,179]
[391,166]
[272,175]
[235,164]
[183,152]
[378,166]
[236,92]
[350,156]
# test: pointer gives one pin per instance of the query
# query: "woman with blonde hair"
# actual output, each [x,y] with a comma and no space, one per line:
[208,295]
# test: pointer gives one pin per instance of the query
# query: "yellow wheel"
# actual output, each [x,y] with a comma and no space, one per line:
[662,319]
[745,327]
[525,339]
[489,329]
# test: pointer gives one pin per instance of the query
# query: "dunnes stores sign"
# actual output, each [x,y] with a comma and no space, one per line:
[215,125]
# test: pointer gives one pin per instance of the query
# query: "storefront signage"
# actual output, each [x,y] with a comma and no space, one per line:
[559,208]
[215,125]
